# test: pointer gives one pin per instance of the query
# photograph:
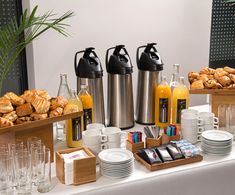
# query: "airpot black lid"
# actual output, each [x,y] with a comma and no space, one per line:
[89,65]
[119,62]
[150,60]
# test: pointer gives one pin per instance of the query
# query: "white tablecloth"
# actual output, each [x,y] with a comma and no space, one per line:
[215,175]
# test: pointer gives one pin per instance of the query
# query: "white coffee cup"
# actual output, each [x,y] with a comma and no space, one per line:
[114,135]
[99,126]
[191,133]
[209,118]
[189,111]
[210,127]
[93,137]
[112,145]
[97,148]
[189,119]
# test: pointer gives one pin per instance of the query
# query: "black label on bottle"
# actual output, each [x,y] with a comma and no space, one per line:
[181,105]
[163,110]
[77,129]
[87,117]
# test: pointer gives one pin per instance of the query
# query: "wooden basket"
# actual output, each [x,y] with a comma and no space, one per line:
[152,142]
[134,147]
[169,164]
[84,170]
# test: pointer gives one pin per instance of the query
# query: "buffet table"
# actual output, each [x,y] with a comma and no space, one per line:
[214,175]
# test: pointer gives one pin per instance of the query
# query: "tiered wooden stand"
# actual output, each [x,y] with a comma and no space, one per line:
[218,97]
[41,128]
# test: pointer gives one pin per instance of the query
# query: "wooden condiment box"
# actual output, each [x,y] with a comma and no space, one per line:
[166,139]
[134,147]
[84,170]
[152,142]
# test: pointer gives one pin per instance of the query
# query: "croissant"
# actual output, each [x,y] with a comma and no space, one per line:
[229,70]
[232,77]
[5,106]
[57,112]
[219,72]
[192,76]
[211,83]
[15,99]
[225,80]
[207,71]
[203,77]
[58,102]
[24,110]
[5,123]
[11,116]
[40,104]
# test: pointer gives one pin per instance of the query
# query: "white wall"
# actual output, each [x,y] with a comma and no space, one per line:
[180,27]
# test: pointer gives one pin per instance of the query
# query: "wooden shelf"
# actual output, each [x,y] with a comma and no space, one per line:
[213,91]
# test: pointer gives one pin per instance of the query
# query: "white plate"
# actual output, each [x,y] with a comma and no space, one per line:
[115,156]
[217,135]
[216,146]
[214,143]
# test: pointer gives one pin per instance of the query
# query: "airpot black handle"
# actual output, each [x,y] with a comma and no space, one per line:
[75,61]
[137,54]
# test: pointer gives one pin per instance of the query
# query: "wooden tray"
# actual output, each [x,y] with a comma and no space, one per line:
[212,91]
[41,128]
[169,164]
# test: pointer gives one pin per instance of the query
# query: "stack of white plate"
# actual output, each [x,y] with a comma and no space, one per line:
[216,142]
[116,162]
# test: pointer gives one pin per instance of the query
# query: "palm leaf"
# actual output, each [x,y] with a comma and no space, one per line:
[14,38]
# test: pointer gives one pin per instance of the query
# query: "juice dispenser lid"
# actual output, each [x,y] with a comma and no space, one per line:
[89,65]
[150,60]
[119,62]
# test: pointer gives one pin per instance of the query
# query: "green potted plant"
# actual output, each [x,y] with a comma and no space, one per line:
[15,37]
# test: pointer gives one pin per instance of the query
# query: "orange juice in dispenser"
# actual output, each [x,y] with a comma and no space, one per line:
[162,104]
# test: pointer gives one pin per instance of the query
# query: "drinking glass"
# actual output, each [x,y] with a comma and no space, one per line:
[23,172]
[222,115]
[33,141]
[44,170]
[231,119]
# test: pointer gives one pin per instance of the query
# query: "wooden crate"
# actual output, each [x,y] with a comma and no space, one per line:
[152,142]
[169,164]
[41,128]
[217,97]
[134,147]
[84,169]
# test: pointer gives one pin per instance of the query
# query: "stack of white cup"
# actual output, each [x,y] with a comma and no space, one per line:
[191,125]
[210,121]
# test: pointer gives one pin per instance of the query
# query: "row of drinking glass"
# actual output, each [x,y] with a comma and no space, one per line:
[24,168]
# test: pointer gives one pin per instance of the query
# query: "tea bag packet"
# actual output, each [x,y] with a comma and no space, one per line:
[174,152]
[150,156]
[164,154]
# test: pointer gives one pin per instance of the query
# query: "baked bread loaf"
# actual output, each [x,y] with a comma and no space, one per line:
[11,116]
[23,119]
[207,71]
[229,70]
[5,123]
[196,85]
[57,112]
[36,116]
[58,102]
[15,99]
[70,108]
[40,104]
[5,106]
[24,110]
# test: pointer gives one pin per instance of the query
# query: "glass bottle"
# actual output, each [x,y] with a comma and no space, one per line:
[179,100]
[64,92]
[87,104]
[74,127]
[162,104]
[175,76]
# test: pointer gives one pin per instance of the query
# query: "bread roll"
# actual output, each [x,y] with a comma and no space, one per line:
[219,72]
[225,81]
[232,77]
[207,71]
[192,76]
[15,99]
[203,77]
[57,112]
[211,83]
[5,106]
[70,108]
[40,104]
[229,70]
[36,116]
[196,85]
[58,102]
[5,123]
[24,110]
[11,116]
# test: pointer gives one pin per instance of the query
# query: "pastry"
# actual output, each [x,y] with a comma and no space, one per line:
[217,86]
[40,104]
[232,77]
[70,108]
[5,106]
[196,85]
[229,70]
[58,102]
[203,77]
[219,72]
[210,83]
[36,116]
[192,76]
[232,86]
[15,99]
[57,112]
[42,93]
[207,70]
[24,110]
[29,95]
[5,123]
[24,119]
[11,116]
[225,81]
